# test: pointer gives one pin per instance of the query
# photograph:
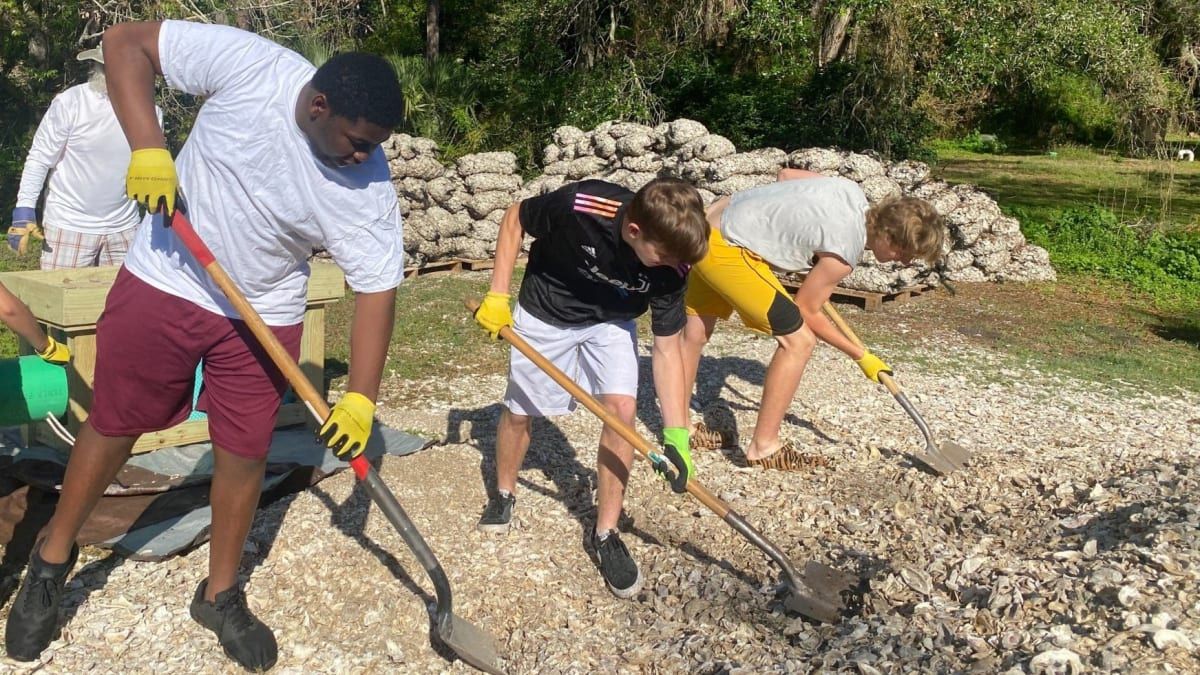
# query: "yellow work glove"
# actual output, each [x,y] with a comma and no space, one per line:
[348,426]
[872,366]
[493,313]
[152,178]
[55,352]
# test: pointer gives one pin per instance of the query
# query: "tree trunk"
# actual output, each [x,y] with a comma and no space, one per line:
[433,8]
[833,36]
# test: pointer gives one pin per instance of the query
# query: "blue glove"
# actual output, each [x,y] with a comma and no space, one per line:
[23,218]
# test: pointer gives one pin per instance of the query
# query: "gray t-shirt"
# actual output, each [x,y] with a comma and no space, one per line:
[789,222]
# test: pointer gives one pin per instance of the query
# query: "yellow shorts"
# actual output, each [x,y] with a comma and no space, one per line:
[731,277]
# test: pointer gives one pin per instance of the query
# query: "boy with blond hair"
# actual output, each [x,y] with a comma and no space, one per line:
[809,223]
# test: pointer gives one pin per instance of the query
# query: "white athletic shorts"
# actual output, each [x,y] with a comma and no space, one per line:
[601,358]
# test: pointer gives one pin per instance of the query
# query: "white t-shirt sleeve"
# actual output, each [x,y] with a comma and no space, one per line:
[371,255]
[49,142]
[205,59]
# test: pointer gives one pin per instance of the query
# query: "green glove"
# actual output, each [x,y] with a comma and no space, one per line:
[675,443]
[493,313]
[872,366]
[55,352]
[349,425]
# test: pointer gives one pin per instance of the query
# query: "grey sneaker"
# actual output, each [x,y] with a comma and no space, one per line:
[245,638]
[497,516]
[617,567]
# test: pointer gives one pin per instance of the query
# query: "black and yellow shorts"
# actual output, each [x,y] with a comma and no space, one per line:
[735,278]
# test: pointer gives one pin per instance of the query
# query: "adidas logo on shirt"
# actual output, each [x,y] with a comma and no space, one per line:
[599,206]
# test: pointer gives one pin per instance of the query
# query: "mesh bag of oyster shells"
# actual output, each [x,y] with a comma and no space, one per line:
[454,211]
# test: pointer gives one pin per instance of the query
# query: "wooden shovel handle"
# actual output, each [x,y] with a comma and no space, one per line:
[610,420]
[884,379]
[838,321]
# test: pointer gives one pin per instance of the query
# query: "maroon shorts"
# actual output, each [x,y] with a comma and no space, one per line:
[148,344]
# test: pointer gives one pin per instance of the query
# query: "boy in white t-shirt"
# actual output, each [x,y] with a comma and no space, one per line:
[808,223]
[282,157]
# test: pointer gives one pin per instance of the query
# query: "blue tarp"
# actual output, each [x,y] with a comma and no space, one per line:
[191,466]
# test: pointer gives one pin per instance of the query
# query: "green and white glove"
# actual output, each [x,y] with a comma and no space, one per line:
[675,446]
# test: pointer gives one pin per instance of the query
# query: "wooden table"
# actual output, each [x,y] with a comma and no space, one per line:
[68,303]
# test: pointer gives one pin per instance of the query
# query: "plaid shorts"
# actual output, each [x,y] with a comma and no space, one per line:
[66,249]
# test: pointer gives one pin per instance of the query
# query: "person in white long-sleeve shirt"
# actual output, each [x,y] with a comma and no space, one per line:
[88,219]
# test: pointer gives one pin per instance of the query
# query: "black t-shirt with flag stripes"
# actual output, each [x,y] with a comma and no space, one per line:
[581,272]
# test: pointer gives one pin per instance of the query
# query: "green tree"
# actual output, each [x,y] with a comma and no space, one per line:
[440,100]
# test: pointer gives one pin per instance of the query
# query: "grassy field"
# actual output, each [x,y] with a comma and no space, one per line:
[1158,190]
[1087,325]
[1078,327]
[434,335]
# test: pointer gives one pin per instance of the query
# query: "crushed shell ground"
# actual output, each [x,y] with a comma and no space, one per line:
[1070,543]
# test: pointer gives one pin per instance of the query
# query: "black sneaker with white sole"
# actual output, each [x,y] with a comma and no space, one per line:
[617,567]
[497,515]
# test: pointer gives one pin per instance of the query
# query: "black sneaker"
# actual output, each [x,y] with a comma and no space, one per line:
[617,567]
[497,514]
[244,638]
[33,619]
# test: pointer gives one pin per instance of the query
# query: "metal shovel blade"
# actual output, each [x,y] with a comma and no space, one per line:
[941,459]
[824,594]
[471,644]
[819,601]
[932,459]
[955,454]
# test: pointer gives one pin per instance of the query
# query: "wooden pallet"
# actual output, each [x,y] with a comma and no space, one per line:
[479,265]
[452,266]
[434,268]
[867,300]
